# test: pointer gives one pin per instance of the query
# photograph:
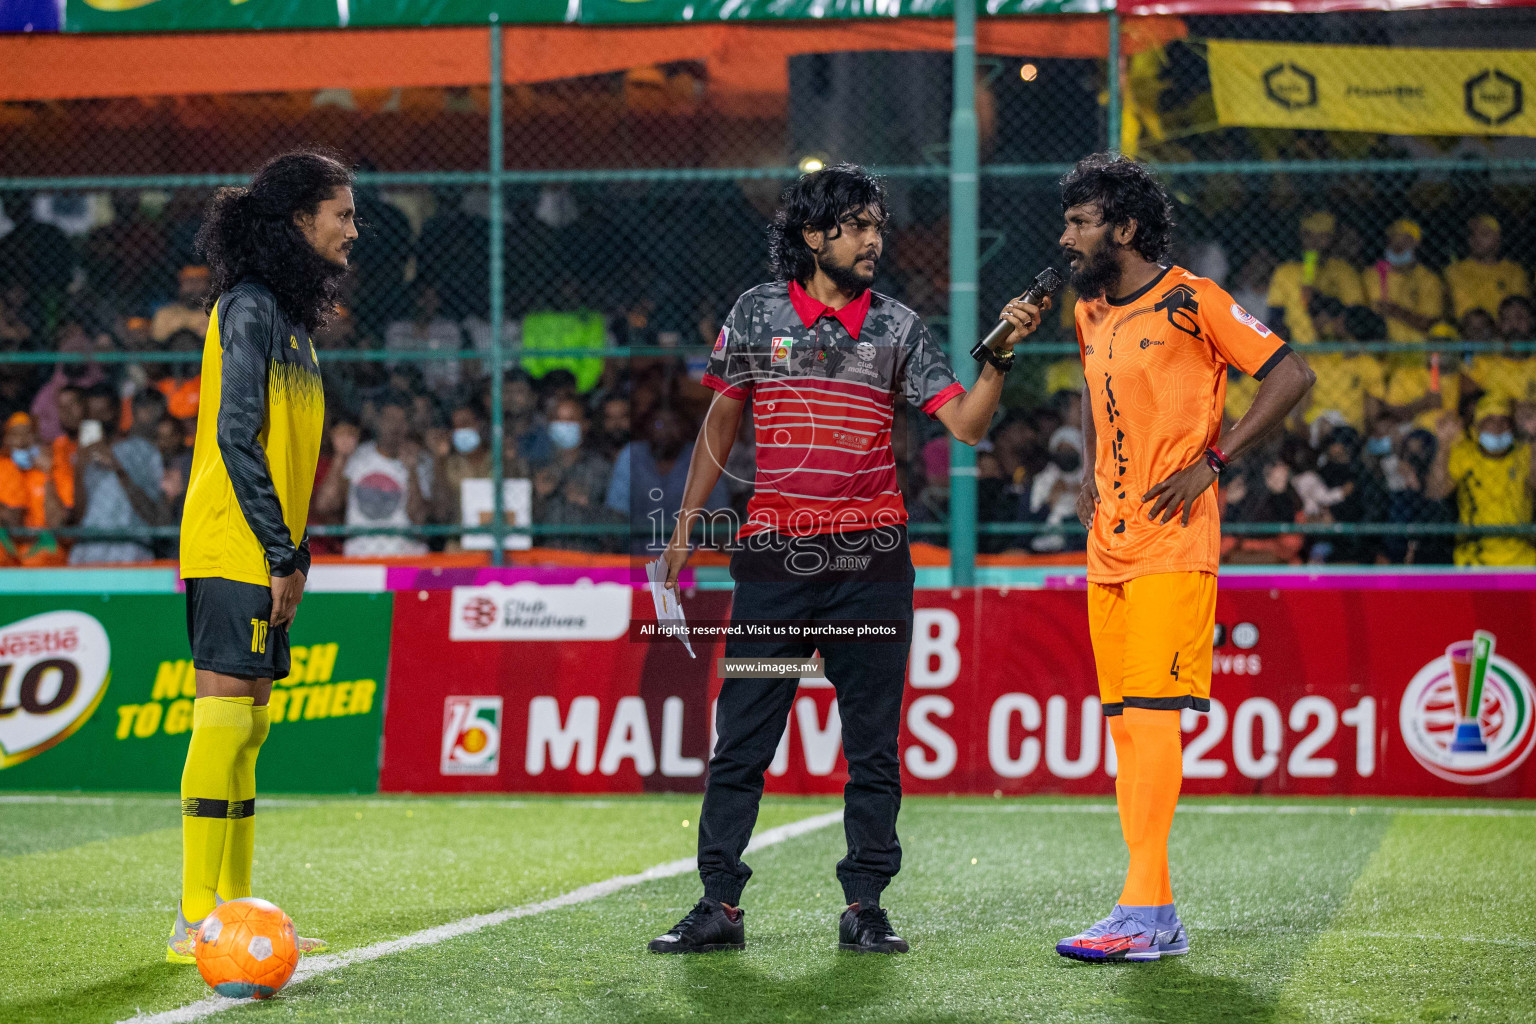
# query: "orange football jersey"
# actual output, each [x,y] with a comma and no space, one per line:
[1156,367]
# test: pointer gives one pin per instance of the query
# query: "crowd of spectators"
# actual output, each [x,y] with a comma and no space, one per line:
[1424,411]
[596,449]
[1423,433]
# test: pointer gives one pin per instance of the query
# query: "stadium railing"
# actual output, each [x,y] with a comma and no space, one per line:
[642,196]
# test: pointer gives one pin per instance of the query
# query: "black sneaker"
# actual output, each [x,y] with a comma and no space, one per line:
[868,931]
[706,928]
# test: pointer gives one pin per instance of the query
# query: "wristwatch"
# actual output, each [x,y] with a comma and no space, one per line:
[1003,363]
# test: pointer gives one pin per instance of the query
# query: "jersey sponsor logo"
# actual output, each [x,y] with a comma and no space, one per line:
[1247,319]
[1148,342]
[54,670]
[471,736]
[528,611]
[721,340]
[781,347]
[864,356]
[1469,716]
[1180,304]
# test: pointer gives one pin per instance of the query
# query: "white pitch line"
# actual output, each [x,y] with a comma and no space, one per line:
[38,798]
[997,808]
[405,801]
[1398,936]
[1489,940]
[313,966]
[1431,812]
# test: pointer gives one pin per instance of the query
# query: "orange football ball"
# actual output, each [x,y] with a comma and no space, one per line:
[246,949]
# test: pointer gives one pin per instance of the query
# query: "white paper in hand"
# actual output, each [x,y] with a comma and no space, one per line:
[669,610]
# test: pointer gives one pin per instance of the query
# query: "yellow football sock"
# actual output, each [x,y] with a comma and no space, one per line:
[220,728]
[1154,783]
[240,836]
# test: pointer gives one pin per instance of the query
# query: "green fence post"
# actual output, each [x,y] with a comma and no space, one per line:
[495,256]
[963,159]
[1112,110]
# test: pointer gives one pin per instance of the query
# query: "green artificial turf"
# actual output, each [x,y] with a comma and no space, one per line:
[1298,911]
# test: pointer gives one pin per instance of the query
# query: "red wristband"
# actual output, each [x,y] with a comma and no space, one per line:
[1220,455]
[1215,460]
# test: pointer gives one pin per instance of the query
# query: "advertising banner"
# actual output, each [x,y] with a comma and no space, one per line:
[29,16]
[1143,8]
[195,15]
[198,15]
[1396,90]
[96,693]
[1314,691]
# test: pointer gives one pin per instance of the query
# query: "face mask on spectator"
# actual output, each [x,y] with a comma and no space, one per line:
[1379,446]
[466,440]
[565,433]
[1398,259]
[24,457]
[1493,444]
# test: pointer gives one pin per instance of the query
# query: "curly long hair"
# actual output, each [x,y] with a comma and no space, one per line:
[250,232]
[1124,190]
[817,202]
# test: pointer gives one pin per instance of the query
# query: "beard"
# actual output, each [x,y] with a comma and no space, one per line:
[326,275]
[1095,273]
[847,278]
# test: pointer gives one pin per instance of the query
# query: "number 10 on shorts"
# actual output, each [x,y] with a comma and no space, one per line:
[259,636]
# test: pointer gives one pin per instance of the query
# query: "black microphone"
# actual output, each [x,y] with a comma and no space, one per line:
[1048,281]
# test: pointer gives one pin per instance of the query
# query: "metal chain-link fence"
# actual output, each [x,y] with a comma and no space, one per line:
[634,208]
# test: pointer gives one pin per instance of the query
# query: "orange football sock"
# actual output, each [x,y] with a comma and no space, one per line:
[1153,779]
[1125,771]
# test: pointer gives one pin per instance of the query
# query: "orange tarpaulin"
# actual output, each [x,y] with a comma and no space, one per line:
[73,67]
[741,58]
[754,58]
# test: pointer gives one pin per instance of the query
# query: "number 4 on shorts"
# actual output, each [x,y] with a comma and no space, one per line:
[1174,671]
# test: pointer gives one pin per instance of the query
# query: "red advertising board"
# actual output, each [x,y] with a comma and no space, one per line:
[1315,691]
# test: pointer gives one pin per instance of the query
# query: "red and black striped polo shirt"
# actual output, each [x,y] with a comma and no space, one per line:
[823,388]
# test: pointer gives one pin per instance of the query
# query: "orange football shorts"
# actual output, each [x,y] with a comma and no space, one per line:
[1152,641]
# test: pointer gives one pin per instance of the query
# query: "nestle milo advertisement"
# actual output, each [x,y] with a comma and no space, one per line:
[96,693]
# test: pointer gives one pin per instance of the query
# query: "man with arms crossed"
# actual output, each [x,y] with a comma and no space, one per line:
[1156,342]
[821,358]
[278,250]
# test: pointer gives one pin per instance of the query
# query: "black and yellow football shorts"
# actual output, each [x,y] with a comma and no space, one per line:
[229,625]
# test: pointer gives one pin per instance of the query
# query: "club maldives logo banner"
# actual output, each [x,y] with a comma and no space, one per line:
[1468,716]
[529,611]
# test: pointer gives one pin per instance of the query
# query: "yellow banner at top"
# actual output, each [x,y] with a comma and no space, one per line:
[1374,88]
